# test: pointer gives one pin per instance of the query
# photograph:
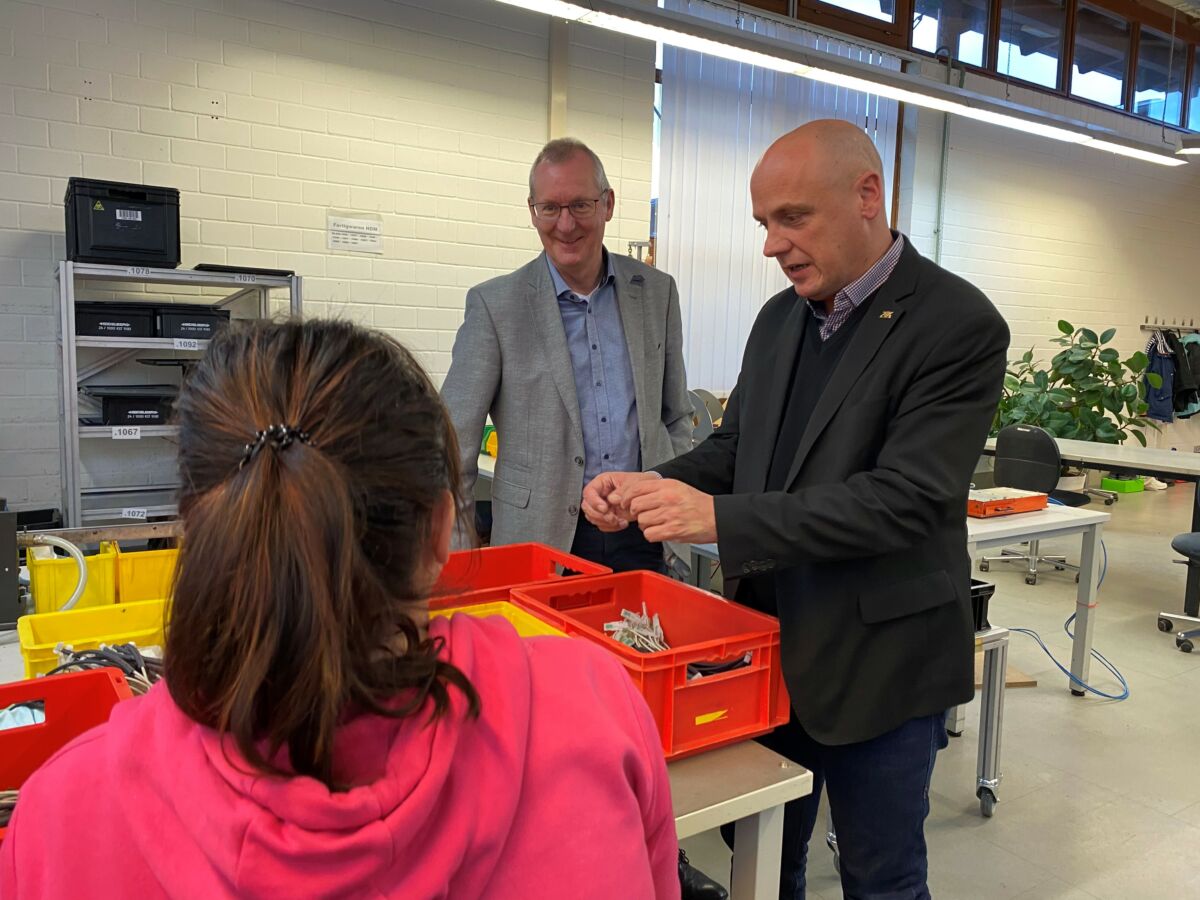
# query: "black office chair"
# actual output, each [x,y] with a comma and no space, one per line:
[1027,458]
[1188,546]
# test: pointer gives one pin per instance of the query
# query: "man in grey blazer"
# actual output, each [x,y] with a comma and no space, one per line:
[577,356]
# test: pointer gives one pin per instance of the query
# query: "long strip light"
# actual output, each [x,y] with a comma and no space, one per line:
[1190,145]
[687,33]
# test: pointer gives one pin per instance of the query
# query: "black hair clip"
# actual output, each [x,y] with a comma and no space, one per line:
[279,437]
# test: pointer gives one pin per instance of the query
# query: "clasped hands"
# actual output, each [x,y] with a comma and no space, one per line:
[665,510]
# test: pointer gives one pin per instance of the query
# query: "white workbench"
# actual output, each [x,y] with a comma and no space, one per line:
[746,784]
[1137,460]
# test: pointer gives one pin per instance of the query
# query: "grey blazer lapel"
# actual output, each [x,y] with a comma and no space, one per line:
[543,310]
[632,304]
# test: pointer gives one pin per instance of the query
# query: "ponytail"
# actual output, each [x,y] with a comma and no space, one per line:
[304,541]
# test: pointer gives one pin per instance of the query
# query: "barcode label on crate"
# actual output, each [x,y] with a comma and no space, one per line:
[133,513]
[187,344]
[129,215]
[127,432]
[244,278]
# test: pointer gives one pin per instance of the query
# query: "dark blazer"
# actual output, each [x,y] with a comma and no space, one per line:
[867,545]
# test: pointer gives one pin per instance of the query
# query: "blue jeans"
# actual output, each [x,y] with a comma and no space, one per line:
[878,797]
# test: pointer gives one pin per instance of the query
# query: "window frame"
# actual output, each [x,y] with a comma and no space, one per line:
[898,35]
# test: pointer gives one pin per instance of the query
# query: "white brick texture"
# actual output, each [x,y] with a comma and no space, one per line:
[268,115]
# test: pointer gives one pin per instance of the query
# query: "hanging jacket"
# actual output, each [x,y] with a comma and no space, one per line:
[1187,379]
[1191,348]
[1161,399]
[558,789]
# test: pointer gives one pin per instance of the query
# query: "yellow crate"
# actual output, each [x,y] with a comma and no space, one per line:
[526,624]
[86,629]
[52,579]
[146,575]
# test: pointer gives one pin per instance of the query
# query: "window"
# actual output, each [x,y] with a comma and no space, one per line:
[958,25]
[883,10]
[1031,40]
[1158,91]
[1101,57]
[1194,102]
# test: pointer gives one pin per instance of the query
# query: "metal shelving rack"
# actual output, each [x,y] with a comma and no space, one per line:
[147,501]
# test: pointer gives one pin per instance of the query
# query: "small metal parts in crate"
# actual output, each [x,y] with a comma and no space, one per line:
[641,631]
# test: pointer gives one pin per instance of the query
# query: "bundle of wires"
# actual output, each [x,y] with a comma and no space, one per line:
[8,801]
[140,671]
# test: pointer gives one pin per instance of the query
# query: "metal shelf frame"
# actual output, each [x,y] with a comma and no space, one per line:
[68,275]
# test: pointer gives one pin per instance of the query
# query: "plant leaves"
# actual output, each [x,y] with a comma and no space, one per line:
[1156,380]
[1140,436]
[1065,327]
[1108,335]
[1109,354]
[1138,362]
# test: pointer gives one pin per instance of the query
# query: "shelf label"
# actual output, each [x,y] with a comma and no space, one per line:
[127,432]
[133,513]
[244,278]
[138,271]
[187,344]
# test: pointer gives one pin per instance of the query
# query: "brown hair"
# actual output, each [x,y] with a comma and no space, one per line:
[298,569]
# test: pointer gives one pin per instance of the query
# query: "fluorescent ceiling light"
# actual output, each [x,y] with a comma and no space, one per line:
[684,32]
[1190,145]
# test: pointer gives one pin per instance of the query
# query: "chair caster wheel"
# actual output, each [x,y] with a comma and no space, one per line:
[1031,579]
[1184,644]
[1109,502]
[1165,625]
[984,565]
[953,733]
[987,803]
[1077,578]
[1060,568]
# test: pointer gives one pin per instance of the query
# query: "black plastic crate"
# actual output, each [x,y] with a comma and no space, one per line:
[135,404]
[116,223]
[981,593]
[128,320]
[190,320]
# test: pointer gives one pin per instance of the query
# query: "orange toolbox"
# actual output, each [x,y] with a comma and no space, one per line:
[692,713]
[74,703]
[478,576]
[1003,501]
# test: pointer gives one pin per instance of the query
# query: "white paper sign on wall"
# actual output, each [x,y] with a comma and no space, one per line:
[359,233]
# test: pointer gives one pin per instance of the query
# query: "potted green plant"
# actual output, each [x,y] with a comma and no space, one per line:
[1086,393]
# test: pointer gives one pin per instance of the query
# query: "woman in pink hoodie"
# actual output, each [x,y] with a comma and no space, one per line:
[316,735]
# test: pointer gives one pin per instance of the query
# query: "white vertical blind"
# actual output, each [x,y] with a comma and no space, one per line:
[717,119]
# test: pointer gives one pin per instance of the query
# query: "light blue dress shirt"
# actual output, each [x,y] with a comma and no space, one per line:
[603,376]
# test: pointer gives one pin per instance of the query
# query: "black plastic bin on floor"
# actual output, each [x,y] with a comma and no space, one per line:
[981,593]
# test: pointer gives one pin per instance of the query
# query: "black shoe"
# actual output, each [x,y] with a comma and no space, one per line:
[695,885]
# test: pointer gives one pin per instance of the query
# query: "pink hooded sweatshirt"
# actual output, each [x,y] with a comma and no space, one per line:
[558,789]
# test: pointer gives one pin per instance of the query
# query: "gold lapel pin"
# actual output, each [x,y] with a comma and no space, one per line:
[886,314]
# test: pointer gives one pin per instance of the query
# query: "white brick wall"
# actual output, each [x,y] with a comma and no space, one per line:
[1054,231]
[267,114]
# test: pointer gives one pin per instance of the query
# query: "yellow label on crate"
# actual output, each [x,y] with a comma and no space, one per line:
[709,718]
[99,207]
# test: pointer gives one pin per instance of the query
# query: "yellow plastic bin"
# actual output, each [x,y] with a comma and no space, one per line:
[143,624]
[527,625]
[146,575]
[52,579]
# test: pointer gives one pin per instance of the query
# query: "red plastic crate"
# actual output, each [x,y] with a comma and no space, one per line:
[480,576]
[74,703]
[700,627]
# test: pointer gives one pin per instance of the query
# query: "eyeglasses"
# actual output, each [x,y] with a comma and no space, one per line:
[580,209]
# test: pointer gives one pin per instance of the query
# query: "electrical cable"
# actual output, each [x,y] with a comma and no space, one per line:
[71,550]
[1083,685]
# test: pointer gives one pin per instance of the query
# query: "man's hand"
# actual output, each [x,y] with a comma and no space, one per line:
[668,510]
[596,499]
